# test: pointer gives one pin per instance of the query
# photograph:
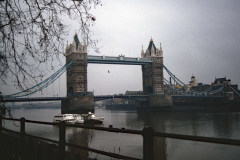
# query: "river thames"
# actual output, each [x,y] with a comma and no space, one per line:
[221,125]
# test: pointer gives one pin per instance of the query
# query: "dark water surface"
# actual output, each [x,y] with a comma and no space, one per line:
[222,125]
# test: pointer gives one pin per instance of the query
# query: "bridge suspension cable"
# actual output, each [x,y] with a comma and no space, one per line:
[174,77]
[216,90]
[172,86]
[235,91]
[208,91]
[41,85]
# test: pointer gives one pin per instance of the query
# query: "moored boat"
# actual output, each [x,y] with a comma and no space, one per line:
[68,118]
[89,118]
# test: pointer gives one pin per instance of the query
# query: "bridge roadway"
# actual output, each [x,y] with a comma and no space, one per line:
[96,98]
[118,60]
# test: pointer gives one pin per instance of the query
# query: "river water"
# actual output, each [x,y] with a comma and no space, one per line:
[221,125]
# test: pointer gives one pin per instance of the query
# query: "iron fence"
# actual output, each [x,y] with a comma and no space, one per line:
[147,133]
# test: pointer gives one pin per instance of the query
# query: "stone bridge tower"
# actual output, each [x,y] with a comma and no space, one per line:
[79,101]
[153,77]
[153,73]
[77,72]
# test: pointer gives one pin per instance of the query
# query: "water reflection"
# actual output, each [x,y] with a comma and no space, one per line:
[222,125]
[190,123]
[79,136]
[157,122]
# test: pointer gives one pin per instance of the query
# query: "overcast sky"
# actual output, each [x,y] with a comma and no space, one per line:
[198,37]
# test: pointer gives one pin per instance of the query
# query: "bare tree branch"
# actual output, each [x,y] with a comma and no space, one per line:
[33,32]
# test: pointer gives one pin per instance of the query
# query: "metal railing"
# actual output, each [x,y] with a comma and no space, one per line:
[147,133]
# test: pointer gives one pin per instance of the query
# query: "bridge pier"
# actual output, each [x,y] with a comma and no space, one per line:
[160,101]
[78,104]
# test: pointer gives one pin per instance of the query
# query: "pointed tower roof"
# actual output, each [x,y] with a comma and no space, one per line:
[76,40]
[152,45]
[161,47]
[142,53]
[193,76]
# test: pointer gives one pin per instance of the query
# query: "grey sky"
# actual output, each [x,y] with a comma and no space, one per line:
[199,37]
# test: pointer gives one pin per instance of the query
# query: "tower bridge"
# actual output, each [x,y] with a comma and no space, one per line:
[151,61]
[152,73]
[78,98]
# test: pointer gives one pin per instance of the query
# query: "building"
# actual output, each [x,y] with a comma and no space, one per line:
[193,81]
[228,86]
[221,82]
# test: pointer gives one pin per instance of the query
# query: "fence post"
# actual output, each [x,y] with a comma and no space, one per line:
[22,126]
[22,143]
[0,123]
[62,139]
[147,134]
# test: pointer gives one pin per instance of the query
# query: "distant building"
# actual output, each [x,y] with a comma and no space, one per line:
[134,93]
[228,85]
[218,83]
[195,86]
[221,82]
[193,81]
[201,87]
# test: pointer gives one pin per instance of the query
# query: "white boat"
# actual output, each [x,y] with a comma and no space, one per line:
[89,118]
[68,118]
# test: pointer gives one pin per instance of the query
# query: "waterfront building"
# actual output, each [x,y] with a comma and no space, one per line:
[218,83]
[221,82]
[193,81]
[229,87]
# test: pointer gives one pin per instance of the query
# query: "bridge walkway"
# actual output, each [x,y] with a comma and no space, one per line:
[118,60]
[96,98]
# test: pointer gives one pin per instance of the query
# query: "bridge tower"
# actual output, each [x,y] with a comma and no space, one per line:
[77,72]
[153,77]
[153,73]
[80,101]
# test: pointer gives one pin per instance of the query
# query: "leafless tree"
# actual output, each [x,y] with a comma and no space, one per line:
[33,32]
